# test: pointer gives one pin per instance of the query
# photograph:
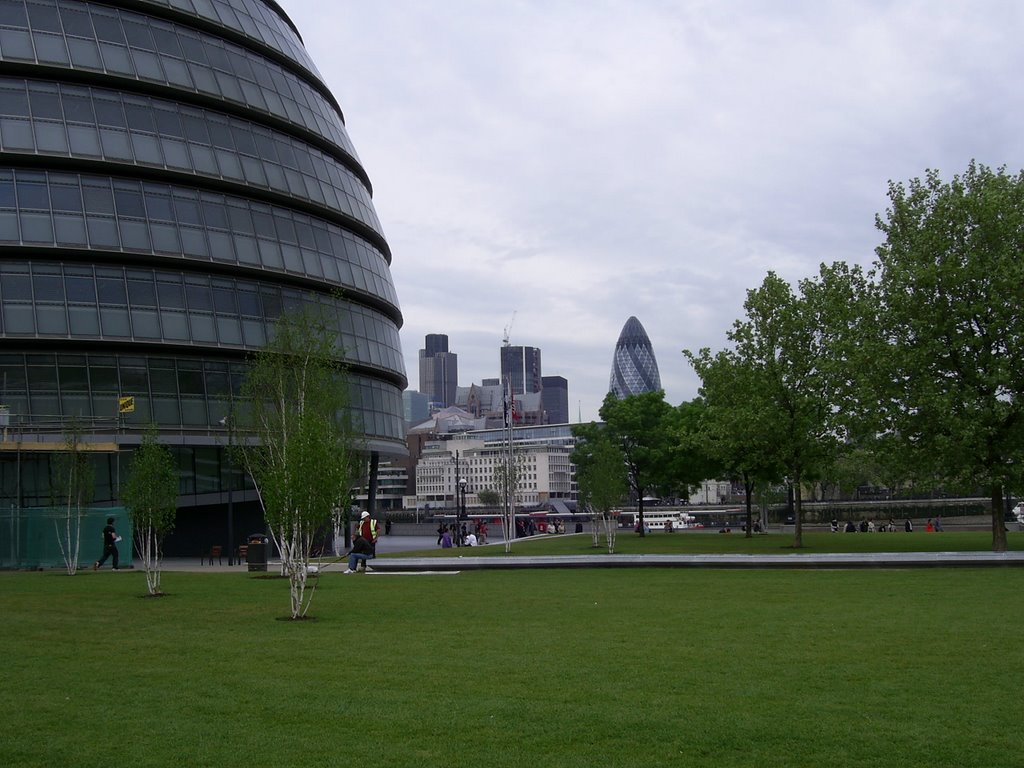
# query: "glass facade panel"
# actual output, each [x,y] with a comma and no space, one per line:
[191,178]
[164,219]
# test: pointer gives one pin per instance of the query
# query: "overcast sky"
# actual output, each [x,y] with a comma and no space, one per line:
[578,162]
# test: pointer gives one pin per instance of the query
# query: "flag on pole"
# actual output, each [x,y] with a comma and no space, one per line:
[512,413]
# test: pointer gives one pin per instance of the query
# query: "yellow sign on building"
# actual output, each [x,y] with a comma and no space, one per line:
[126,405]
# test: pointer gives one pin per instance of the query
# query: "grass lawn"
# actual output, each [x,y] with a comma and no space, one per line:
[651,667]
[701,543]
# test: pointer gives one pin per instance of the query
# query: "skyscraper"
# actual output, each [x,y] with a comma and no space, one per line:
[173,177]
[555,399]
[521,367]
[439,370]
[634,369]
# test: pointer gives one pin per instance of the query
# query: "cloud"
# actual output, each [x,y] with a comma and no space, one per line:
[578,163]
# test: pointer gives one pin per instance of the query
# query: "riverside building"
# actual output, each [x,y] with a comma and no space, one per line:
[173,176]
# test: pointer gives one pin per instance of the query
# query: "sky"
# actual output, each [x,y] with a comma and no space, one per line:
[550,168]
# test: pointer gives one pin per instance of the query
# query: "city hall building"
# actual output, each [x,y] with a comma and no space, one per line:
[174,175]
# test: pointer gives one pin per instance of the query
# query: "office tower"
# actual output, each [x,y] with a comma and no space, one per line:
[555,399]
[439,371]
[417,407]
[521,367]
[174,176]
[634,369]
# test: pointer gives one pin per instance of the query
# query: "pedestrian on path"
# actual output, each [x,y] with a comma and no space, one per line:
[110,539]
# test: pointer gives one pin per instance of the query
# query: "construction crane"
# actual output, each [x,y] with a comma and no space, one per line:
[508,328]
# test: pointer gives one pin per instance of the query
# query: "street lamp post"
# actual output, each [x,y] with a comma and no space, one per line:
[458,482]
[231,510]
[226,422]
[462,498]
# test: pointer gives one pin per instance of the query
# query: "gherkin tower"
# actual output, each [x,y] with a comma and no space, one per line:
[174,174]
[634,369]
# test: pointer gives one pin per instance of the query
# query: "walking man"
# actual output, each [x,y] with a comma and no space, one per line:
[110,539]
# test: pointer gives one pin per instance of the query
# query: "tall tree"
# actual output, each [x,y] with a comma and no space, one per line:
[298,444]
[951,355]
[601,478]
[151,495]
[798,347]
[735,425]
[640,425]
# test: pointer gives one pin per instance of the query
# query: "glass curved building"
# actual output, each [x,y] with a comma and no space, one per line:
[634,369]
[173,175]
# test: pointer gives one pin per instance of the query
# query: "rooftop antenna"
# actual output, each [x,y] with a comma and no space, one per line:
[508,329]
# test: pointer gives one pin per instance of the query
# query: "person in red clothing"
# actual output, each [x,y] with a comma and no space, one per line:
[369,530]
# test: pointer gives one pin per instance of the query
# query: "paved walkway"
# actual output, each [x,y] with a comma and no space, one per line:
[789,561]
[460,562]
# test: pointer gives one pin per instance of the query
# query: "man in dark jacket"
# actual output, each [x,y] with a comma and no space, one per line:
[110,539]
[361,551]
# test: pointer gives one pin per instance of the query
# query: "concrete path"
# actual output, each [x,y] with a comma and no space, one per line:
[463,562]
[789,561]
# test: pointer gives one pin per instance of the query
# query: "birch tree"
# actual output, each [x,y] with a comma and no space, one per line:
[299,446]
[507,476]
[73,483]
[601,477]
[151,495]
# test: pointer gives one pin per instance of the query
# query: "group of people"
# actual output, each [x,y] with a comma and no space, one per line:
[455,535]
[869,526]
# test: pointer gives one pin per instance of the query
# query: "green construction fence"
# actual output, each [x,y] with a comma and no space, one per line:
[30,537]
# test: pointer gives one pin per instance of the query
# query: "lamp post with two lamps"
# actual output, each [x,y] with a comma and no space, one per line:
[460,501]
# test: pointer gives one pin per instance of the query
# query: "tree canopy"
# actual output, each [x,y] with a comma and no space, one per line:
[949,358]
[789,372]
[640,425]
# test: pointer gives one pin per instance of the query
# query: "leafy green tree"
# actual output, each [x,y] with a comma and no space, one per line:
[489,497]
[950,352]
[601,478]
[735,425]
[690,461]
[72,490]
[151,495]
[298,444]
[641,427]
[798,348]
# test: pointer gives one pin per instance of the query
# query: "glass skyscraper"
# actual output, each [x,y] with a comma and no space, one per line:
[520,367]
[439,371]
[634,369]
[174,174]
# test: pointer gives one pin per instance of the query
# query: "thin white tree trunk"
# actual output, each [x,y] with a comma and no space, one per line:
[609,531]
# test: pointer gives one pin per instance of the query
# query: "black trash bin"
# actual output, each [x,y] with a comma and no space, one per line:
[256,554]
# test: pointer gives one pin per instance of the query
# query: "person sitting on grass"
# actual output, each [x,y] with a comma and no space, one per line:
[357,556]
